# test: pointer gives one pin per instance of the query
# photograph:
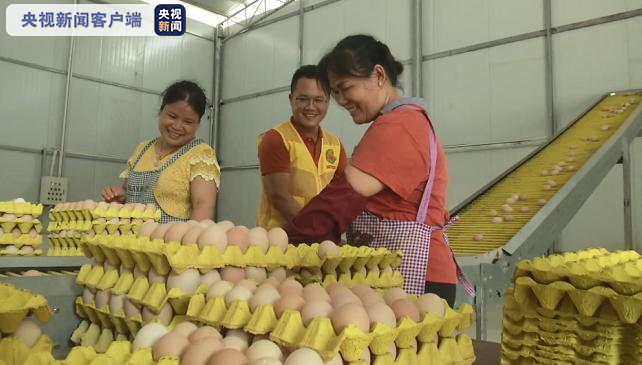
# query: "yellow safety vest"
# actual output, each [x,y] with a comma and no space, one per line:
[307,179]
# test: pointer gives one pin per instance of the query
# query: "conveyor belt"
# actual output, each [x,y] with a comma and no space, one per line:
[534,184]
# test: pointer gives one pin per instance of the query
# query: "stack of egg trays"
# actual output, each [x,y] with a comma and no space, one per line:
[144,252]
[19,305]
[92,335]
[289,331]
[19,209]
[122,220]
[61,222]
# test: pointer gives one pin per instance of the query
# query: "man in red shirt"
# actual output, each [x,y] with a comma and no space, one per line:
[297,158]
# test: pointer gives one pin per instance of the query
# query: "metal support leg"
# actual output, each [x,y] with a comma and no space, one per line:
[627,178]
[481,307]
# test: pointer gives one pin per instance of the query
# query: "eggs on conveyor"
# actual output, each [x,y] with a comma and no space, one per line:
[497,220]
[28,331]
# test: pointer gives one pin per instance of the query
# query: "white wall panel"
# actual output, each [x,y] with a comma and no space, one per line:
[116,59]
[389,21]
[238,198]
[87,178]
[586,64]
[571,11]
[634,29]
[20,175]
[459,23]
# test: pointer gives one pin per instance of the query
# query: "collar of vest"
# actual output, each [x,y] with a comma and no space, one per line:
[404,101]
[319,136]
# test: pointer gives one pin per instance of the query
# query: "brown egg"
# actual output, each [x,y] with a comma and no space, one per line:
[171,344]
[288,301]
[102,298]
[116,303]
[264,348]
[497,220]
[278,273]
[493,213]
[405,308]
[315,309]
[219,289]
[272,281]
[201,351]
[146,229]
[507,208]
[130,309]
[226,225]
[259,237]
[315,291]
[187,281]
[264,295]
[393,294]
[156,278]
[291,286]
[229,357]
[165,314]
[209,278]
[159,231]
[32,273]
[277,237]
[347,297]
[176,232]
[138,273]
[28,331]
[361,290]
[478,237]
[431,303]
[350,313]
[328,249]
[381,313]
[192,234]
[232,274]
[257,274]
[541,201]
[509,218]
[371,298]
[204,332]
[524,209]
[185,329]
[215,236]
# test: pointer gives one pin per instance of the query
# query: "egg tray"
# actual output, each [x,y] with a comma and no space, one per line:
[5,252]
[449,351]
[16,304]
[23,239]
[20,209]
[64,249]
[69,215]
[92,336]
[67,239]
[102,317]
[621,271]
[528,179]
[585,302]
[79,226]
[13,351]
[23,226]
[112,212]
[382,279]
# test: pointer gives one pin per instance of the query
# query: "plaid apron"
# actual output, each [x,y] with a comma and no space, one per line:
[141,184]
[412,238]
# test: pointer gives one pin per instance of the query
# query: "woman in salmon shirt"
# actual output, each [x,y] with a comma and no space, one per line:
[393,192]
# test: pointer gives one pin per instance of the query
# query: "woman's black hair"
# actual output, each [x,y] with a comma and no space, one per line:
[357,55]
[187,91]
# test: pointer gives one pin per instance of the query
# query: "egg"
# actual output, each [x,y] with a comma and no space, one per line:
[278,237]
[523,197]
[26,249]
[492,213]
[361,290]
[159,231]
[509,218]
[350,313]
[371,298]
[28,331]
[524,209]
[176,232]
[238,333]
[146,229]
[288,301]
[185,329]
[232,274]
[497,220]
[165,314]
[507,208]
[381,313]
[345,298]
[16,232]
[266,361]
[405,308]
[257,274]
[541,201]
[187,281]
[204,332]
[229,356]
[219,289]
[236,294]
[238,237]
[264,295]
[315,291]
[130,309]
[171,344]
[138,273]
[431,303]
[32,273]
[213,236]
[328,249]
[315,309]
[234,343]
[209,278]
[264,348]
[201,351]
[102,298]
[248,284]
[393,294]
[259,237]
[148,335]
[226,225]
[155,278]
[304,356]
[87,296]
[191,236]
[278,273]
[544,173]
[291,286]
[272,281]
[116,303]
[478,237]
[570,168]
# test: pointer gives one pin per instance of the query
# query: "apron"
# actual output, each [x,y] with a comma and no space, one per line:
[141,184]
[412,238]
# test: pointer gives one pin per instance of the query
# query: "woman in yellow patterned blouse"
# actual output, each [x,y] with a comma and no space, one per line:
[176,171]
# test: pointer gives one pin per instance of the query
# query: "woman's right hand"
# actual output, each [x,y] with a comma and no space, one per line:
[113,193]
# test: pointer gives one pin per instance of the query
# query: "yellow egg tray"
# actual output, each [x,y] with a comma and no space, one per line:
[568,149]
[112,212]
[69,215]
[14,352]
[112,228]
[19,209]
[92,336]
[23,226]
[585,302]
[146,253]
[4,252]
[80,226]
[64,249]
[16,304]
[374,279]
[102,317]
[449,351]
[620,270]
[23,239]
[69,239]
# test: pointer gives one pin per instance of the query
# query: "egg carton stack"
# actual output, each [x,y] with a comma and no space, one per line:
[20,334]
[68,224]
[20,228]
[575,308]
